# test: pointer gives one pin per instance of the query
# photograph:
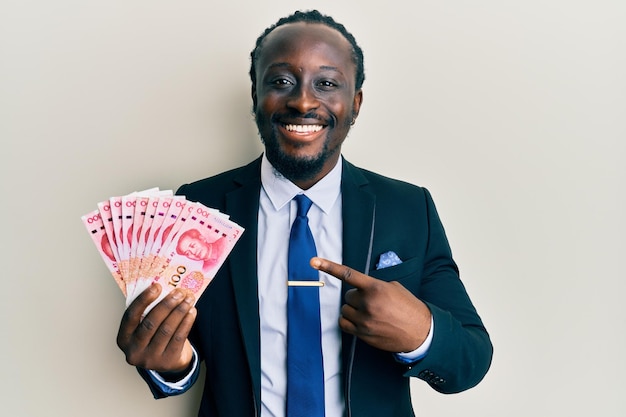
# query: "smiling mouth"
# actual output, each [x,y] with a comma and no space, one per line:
[305,129]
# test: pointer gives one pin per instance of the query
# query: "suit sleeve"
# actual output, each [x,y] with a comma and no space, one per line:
[461,350]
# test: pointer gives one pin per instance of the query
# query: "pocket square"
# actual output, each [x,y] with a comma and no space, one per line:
[388,259]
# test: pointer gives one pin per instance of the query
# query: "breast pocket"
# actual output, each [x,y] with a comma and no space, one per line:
[408,273]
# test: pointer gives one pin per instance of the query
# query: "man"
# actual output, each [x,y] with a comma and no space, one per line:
[379,324]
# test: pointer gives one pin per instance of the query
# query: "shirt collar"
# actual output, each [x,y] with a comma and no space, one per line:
[281,191]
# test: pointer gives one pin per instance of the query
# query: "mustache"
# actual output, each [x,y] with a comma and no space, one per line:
[329,121]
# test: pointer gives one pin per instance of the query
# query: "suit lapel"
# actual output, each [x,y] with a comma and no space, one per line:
[242,205]
[358,210]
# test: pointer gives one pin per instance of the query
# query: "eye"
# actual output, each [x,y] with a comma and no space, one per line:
[327,85]
[281,82]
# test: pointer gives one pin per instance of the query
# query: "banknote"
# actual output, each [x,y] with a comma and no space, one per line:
[149,203]
[167,214]
[115,203]
[197,251]
[176,217]
[95,226]
[155,221]
[139,214]
[126,249]
[104,207]
[153,236]
[128,212]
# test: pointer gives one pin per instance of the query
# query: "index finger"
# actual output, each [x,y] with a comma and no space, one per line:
[342,272]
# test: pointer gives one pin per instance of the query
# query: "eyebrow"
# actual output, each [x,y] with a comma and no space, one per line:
[286,65]
[279,65]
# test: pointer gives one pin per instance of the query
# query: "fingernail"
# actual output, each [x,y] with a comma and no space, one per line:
[177,295]
[315,263]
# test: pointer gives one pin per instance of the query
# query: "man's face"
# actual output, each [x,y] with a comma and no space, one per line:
[305,99]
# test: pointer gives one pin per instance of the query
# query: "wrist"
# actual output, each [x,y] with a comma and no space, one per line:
[175,376]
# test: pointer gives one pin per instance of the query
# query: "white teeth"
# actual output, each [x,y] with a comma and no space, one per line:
[304,128]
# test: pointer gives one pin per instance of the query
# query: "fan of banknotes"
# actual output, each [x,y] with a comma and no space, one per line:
[154,236]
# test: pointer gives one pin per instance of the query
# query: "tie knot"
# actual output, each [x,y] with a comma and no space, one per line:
[304,204]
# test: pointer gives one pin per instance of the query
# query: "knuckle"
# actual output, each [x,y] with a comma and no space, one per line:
[126,317]
[365,328]
[346,274]
[167,303]
[165,331]
[134,359]
[179,338]
[343,324]
[130,359]
[346,325]
[344,310]
[183,307]
[147,324]
[121,342]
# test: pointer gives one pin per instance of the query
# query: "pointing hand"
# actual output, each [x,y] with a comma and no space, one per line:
[383,314]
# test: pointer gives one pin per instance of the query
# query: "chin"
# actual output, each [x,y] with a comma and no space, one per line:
[296,168]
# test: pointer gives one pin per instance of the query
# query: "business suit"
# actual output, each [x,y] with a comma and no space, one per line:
[404,220]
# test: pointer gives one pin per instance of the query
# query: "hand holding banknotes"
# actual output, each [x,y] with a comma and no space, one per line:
[163,251]
[159,340]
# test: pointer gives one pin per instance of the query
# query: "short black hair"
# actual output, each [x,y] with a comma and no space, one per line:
[311,16]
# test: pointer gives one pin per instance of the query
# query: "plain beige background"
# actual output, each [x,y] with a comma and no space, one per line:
[511,113]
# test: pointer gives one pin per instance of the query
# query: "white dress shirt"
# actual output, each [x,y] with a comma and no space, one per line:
[277,211]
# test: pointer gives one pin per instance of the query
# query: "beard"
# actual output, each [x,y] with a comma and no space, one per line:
[295,168]
[291,167]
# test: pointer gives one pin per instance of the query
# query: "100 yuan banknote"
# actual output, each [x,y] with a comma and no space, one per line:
[95,226]
[196,252]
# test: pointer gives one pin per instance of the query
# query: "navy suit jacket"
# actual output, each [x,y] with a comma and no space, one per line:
[404,220]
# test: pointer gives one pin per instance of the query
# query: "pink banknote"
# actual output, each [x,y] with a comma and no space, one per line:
[104,208]
[128,260]
[95,227]
[196,252]
[168,212]
[141,204]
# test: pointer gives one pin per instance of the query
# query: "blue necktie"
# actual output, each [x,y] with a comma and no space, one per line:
[305,371]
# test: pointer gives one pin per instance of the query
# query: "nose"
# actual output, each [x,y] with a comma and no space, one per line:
[303,99]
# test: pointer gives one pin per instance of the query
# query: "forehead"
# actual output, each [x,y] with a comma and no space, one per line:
[304,41]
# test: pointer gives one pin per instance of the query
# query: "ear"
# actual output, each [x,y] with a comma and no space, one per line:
[356,104]
[253,95]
